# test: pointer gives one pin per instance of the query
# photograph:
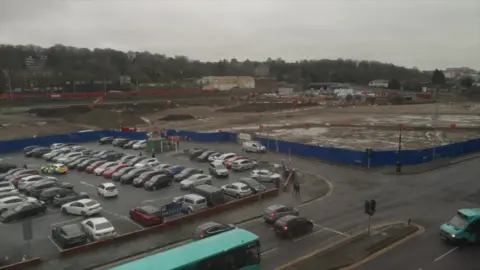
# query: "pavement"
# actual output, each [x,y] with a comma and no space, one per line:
[116,211]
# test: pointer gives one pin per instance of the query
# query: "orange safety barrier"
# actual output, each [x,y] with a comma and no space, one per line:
[22,265]
[171,223]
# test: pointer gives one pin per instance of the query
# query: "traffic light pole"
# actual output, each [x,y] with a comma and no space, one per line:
[369,222]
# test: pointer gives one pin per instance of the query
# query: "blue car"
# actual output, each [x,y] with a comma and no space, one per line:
[172,171]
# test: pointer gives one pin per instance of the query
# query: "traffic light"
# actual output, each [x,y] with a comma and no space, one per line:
[373,206]
[368,207]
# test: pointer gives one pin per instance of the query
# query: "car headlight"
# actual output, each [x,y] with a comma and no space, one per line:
[453,235]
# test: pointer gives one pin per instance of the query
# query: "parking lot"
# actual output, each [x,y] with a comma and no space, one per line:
[116,210]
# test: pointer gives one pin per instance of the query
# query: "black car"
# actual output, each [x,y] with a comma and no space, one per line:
[3,176]
[253,184]
[129,144]
[38,152]
[211,228]
[158,181]
[204,156]
[37,187]
[76,162]
[73,159]
[116,175]
[122,142]
[30,148]
[69,236]
[47,195]
[83,165]
[106,140]
[128,178]
[186,173]
[144,177]
[69,196]
[136,160]
[5,167]
[113,156]
[194,154]
[290,226]
[125,159]
[24,210]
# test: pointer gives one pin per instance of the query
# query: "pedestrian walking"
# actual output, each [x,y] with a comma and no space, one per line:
[25,166]
[153,155]
[296,188]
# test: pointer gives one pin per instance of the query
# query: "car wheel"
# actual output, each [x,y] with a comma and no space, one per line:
[154,187]
[189,211]
[84,214]
[237,196]
[64,211]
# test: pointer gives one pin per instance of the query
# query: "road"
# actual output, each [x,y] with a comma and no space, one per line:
[429,199]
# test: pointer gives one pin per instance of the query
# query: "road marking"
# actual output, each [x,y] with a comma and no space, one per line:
[55,244]
[66,221]
[331,230]
[87,184]
[124,217]
[386,228]
[307,235]
[159,199]
[445,254]
[268,251]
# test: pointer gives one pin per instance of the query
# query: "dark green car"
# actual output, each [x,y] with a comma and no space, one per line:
[69,236]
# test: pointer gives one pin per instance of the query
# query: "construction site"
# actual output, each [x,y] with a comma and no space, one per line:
[322,122]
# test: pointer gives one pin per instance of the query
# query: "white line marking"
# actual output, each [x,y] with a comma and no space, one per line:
[124,217]
[66,221]
[268,251]
[384,229]
[307,235]
[55,244]
[158,199]
[445,254]
[332,230]
[87,184]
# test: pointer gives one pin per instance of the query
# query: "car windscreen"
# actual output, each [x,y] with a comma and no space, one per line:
[111,188]
[91,203]
[459,221]
[244,188]
[103,226]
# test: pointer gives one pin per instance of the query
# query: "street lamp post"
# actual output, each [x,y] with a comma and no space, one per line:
[399,150]
[7,76]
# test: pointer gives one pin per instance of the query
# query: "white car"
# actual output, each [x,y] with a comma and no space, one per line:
[162,167]
[243,164]
[54,153]
[213,156]
[107,190]
[8,203]
[151,162]
[8,188]
[100,169]
[139,145]
[264,175]
[196,180]
[237,190]
[225,156]
[98,228]
[57,146]
[63,158]
[83,207]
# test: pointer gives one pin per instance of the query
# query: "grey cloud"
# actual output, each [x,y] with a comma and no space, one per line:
[423,33]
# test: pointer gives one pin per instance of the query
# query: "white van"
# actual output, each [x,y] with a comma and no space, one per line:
[253,146]
[193,203]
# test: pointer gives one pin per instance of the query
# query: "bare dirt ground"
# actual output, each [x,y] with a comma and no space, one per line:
[354,127]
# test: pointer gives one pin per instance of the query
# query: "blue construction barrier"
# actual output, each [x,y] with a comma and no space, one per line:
[335,155]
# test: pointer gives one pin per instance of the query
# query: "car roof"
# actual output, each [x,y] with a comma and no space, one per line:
[275,207]
[84,200]
[208,224]
[248,180]
[470,212]
[287,218]
[9,198]
[108,184]
[193,196]
[149,208]
[71,228]
[239,184]
[97,220]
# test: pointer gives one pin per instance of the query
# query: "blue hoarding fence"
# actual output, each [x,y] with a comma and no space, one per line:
[335,155]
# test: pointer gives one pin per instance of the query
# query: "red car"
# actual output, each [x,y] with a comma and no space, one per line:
[94,166]
[108,173]
[228,163]
[147,215]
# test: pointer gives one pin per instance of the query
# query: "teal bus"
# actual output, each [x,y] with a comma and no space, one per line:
[236,249]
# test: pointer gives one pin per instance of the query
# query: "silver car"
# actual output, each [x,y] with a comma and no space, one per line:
[264,175]
[276,211]
[243,165]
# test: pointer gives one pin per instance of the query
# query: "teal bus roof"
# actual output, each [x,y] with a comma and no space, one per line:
[470,212]
[192,252]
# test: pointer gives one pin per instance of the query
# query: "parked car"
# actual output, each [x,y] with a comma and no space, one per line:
[276,211]
[204,156]
[54,169]
[9,203]
[225,156]
[228,163]
[136,160]
[162,167]
[120,142]
[253,146]
[144,177]
[174,170]
[194,154]
[63,158]
[4,176]
[38,152]
[106,140]
[237,190]
[140,145]
[19,173]
[218,170]
[83,207]
[107,174]
[213,194]
[73,164]
[211,228]
[192,203]
[196,180]
[128,177]
[47,195]
[255,186]
[243,165]
[158,181]
[98,228]
[8,188]
[213,156]
[55,153]
[129,144]
[100,168]
[291,226]
[69,196]
[107,190]
[24,182]
[113,156]
[264,175]
[149,162]
[70,235]
[186,173]
[5,167]
[103,153]
[116,175]
[125,159]
[27,209]
[147,215]
[90,163]
[72,159]
[30,148]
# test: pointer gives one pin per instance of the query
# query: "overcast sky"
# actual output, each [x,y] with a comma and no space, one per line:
[422,33]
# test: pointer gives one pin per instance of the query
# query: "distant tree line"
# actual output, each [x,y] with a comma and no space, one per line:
[61,64]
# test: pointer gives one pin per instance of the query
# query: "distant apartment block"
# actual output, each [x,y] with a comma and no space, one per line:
[453,73]
[379,83]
